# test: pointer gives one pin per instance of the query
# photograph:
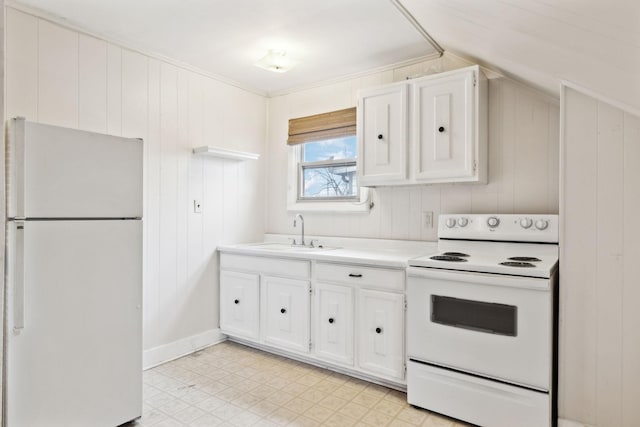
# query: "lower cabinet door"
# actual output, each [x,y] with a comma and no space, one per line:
[334,323]
[286,314]
[240,304]
[381,333]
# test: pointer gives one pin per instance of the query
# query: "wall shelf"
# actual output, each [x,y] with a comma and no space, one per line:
[224,153]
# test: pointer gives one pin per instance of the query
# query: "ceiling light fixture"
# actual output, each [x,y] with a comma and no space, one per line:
[276,61]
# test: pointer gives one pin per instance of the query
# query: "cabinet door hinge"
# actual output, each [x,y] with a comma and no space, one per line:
[310,345]
[405,304]
[475,166]
[475,79]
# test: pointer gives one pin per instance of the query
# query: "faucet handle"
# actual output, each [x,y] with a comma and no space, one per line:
[314,243]
[293,241]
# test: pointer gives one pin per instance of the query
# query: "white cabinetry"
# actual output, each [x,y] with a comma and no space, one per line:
[447,122]
[381,333]
[334,323]
[382,123]
[353,319]
[239,304]
[285,312]
[378,311]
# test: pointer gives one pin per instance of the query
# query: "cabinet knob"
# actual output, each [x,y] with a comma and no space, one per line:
[378,330]
[283,310]
[236,301]
[331,320]
[441,129]
[380,136]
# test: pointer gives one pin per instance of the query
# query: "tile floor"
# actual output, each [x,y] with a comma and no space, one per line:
[233,385]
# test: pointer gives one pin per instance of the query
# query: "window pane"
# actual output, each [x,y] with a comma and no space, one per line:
[329,181]
[330,149]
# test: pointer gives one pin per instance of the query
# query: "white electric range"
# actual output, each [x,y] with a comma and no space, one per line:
[481,321]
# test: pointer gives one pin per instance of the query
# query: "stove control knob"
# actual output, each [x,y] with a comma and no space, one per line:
[462,222]
[451,222]
[542,224]
[526,222]
[493,222]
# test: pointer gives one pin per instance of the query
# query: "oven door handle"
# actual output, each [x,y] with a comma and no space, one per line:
[536,283]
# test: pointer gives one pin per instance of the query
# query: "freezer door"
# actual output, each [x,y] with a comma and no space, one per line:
[74,350]
[57,172]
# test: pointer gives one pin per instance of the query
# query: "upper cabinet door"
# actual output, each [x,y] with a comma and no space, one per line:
[445,127]
[382,135]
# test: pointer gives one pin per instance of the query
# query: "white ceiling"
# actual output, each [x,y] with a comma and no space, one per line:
[329,38]
[593,43]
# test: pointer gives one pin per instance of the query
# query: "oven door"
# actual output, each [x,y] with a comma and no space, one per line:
[490,325]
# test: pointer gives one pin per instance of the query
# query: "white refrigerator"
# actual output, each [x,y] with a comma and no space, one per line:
[74,278]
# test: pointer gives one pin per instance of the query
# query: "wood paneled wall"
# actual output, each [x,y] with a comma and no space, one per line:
[61,77]
[523,161]
[600,272]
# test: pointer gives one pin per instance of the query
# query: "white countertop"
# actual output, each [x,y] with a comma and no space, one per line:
[372,252]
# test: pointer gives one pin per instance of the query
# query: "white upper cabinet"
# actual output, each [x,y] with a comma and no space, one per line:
[447,136]
[382,135]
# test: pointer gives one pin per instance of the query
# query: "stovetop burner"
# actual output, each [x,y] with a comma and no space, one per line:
[448,258]
[517,264]
[456,254]
[524,258]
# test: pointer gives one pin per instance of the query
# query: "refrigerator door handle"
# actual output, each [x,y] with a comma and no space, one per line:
[18,278]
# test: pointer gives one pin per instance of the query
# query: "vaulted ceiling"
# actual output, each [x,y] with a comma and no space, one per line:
[592,43]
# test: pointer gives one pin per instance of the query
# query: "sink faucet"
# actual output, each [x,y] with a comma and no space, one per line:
[301,225]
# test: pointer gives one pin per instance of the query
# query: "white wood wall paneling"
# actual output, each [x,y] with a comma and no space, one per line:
[578,327]
[609,264]
[631,270]
[151,294]
[114,90]
[92,85]
[600,344]
[22,65]
[57,75]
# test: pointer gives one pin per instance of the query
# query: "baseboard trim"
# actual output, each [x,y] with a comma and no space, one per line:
[174,350]
[570,423]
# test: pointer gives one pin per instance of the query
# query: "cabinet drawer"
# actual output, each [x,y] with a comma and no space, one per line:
[264,265]
[370,277]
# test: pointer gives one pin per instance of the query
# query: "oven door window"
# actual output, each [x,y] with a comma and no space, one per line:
[479,316]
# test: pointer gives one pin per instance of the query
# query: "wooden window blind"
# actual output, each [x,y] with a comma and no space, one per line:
[335,124]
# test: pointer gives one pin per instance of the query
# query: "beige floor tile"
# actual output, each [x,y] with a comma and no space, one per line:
[376,419]
[318,413]
[345,392]
[304,422]
[325,386]
[189,414]
[434,420]
[367,400]
[314,396]
[340,420]
[309,380]
[230,394]
[263,408]
[399,423]
[332,402]
[282,416]
[298,405]
[246,401]
[210,404]
[206,420]
[263,391]
[354,410]
[280,398]
[245,419]
[296,388]
[388,407]
[226,411]
[412,415]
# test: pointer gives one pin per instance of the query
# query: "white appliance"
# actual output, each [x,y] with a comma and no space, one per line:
[481,315]
[74,278]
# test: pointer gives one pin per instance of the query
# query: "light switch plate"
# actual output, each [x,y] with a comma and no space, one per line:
[197,206]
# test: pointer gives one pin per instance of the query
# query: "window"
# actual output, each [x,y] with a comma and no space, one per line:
[322,163]
[327,170]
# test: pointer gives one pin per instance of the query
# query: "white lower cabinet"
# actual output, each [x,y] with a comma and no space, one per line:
[334,323]
[353,319]
[240,304]
[381,333]
[285,314]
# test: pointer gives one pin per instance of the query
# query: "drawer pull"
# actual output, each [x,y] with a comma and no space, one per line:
[283,310]
[378,330]
[331,320]
[355,275]
[236,301]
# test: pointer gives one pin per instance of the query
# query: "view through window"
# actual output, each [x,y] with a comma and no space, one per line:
[328,169]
